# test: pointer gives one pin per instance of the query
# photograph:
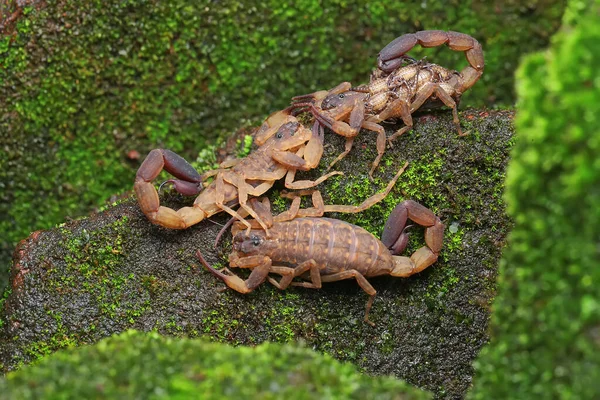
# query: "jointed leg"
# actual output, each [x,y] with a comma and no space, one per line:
[305,184]
[376,198]
[260,265]
[397,108]
[286,280]
[434,88]
[287,274]
[380,143]
[362,281]
[317,210]
[219,201]
[243,198]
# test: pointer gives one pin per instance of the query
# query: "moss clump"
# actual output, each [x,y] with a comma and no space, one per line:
[85,83]
[546,323]
[138,365]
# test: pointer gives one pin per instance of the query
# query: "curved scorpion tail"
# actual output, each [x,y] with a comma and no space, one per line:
[189,183]
[392,56]
[395,238]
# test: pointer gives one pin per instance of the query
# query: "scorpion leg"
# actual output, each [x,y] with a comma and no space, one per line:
[434,88]
[287,274]
[362,281]
[397,108]
[243,190]
[347,147]
[376,198]
[305,184]
[317,210]
[395,237]
[260,265]
[262,208]
[189,183]
[380,143]
[286,280]
[220,197]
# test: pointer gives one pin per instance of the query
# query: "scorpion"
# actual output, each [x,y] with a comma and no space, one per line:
[396,90]
[304,245]
[288,146]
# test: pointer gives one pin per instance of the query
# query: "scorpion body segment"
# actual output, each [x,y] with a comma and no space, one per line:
[334,245]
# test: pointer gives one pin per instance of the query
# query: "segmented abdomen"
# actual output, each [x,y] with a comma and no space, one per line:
[335,245]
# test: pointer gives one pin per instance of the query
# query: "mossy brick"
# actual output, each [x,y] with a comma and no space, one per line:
[545,334]
[85,84]
[113,271]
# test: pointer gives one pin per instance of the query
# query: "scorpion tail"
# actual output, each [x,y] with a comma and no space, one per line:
[147,194]
[393,56]
[395,237]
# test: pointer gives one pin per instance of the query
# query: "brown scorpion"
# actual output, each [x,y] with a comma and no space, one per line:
[317,250]
[286,146]
[396,90]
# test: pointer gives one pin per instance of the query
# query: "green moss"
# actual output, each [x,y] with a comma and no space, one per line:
[547,314]
[93,261]
[2,300]
[150,366]
[453,239]
[245,146]
[218,326]
[93,266]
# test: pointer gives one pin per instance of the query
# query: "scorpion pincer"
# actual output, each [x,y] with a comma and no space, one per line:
[303,245]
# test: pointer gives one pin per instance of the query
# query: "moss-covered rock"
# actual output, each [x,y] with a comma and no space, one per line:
[91,278]
[135,365]
[86,84]
[546,322]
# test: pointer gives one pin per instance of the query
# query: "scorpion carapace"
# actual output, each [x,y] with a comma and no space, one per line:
[288,148]
[317,250]
[398,88]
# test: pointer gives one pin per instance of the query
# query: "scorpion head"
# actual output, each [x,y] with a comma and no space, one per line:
[340,99]
[250,243]
[289,136]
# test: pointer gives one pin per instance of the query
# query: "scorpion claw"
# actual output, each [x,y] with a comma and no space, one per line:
[183,187]
[160,188]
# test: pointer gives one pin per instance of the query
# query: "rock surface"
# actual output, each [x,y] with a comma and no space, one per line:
[91,278]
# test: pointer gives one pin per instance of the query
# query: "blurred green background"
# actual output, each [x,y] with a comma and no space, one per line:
[545,328]
[87,85]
